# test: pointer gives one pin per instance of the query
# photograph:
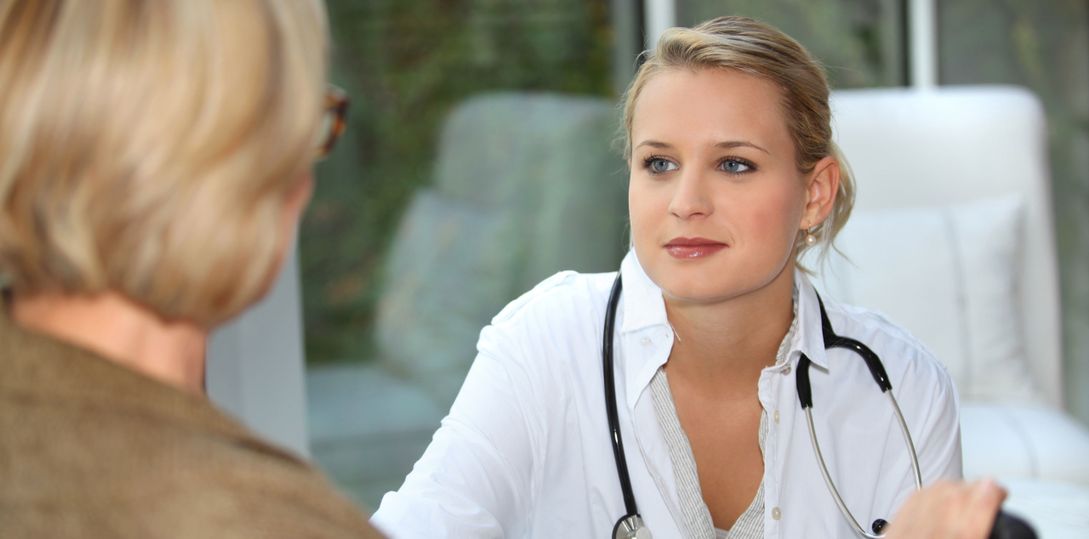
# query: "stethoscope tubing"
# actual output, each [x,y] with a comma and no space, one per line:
[917,476]
[907,439]
[610,400]
[877,370]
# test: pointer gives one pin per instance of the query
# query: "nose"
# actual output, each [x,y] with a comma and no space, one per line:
[690,198]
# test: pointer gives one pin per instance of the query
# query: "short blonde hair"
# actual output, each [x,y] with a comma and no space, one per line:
[758,49]
[148,146]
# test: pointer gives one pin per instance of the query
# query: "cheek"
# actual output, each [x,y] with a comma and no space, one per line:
[778,215]
[642,206]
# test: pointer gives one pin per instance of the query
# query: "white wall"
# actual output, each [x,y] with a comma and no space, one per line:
[256,368]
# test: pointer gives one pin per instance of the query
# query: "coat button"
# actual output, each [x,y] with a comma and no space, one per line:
[776,514]
[775,416]
[786,370]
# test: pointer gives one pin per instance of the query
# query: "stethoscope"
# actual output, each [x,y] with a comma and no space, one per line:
[631,525]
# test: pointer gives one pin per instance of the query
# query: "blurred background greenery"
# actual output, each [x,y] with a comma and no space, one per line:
[405,64]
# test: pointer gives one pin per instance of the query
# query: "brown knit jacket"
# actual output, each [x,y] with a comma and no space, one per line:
[91,449]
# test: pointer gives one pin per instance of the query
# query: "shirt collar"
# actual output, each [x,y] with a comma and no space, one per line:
[809,338]
[642,299]
[643,308]
[644,328]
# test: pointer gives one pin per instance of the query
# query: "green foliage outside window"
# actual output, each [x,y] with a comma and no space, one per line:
[405,64]
[860,42]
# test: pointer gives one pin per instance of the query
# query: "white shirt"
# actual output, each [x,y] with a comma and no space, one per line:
[525,450]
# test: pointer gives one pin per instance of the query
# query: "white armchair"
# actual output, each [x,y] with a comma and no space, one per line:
[952,238]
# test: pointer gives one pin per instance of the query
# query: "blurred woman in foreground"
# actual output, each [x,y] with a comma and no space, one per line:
[154,162]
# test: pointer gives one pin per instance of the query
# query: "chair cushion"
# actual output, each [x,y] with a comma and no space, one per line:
[947,275]
[446,273]
[1008,441]
[1057,510]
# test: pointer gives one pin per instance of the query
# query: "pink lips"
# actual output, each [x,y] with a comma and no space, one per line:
[688,248]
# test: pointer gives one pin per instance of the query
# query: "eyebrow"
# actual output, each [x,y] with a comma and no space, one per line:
[725,144]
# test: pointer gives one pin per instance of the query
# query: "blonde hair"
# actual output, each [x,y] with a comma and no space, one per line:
[758,49]
[147,146]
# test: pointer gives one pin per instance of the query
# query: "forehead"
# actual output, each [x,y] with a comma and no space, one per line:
[709,106]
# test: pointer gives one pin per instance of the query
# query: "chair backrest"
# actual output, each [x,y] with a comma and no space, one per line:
[525,185]
[954,145]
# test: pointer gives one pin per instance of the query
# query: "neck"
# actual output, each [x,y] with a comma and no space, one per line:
[121,331]
[717,342]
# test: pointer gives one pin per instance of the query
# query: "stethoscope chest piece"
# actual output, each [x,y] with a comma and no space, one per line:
[631,527]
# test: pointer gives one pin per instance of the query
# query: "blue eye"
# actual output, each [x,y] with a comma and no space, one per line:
[658,165]
[736,166]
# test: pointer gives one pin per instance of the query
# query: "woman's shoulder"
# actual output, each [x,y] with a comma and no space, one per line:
[898,349]
[558,322]
[563,296]
[868,321]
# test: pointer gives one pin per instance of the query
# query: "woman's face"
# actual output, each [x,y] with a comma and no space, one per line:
[715,197]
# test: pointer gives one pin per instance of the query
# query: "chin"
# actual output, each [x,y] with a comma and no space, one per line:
[692,285]
[711,283]
[700,294]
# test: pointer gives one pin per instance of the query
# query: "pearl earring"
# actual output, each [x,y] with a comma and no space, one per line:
[810,238]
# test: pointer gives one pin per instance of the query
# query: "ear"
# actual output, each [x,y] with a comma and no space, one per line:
[821,188]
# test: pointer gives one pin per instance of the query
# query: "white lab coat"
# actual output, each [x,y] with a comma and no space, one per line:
[525,450]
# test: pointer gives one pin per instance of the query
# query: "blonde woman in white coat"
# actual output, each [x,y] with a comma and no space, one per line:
[733,174]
